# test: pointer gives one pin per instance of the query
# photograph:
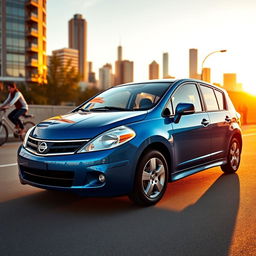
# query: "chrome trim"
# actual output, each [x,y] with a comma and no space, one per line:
[52,141]
[201,157]
[51,154]
[60,141]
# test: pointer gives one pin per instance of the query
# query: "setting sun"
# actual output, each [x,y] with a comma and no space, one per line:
[249,87]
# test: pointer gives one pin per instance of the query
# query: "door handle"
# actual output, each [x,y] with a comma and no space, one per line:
[205,122]
[228,119]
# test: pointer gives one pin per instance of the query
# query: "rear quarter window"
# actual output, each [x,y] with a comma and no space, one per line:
[230,105]
[220,99]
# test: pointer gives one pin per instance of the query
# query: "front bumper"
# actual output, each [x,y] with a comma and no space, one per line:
[79,173]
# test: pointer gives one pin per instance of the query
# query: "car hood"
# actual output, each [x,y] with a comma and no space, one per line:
[84,125]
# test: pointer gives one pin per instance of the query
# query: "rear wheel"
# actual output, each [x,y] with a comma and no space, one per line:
[151,179]
[234,156]
[3,134]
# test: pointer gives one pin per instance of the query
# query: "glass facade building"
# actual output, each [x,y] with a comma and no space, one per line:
[23,40]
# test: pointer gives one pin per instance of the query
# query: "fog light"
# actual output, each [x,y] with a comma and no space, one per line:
[102,178]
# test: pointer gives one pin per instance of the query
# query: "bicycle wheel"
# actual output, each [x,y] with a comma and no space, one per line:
[3,134]
[27,126]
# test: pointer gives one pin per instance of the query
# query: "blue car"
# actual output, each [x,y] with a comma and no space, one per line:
[133,139]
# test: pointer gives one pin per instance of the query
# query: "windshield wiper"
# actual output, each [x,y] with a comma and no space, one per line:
[84,110]
[106,108]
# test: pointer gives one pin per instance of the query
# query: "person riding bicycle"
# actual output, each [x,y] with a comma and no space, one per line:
[15,98]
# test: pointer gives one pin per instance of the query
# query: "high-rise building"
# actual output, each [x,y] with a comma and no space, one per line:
[78,40]
[23,41]
[66,55]
[91,74]
[119,53]
[165,65]
[127,69]
[118,66]
[193,64]
[230,82]
[123,69]
[105,77]
[153,70]
[206,75]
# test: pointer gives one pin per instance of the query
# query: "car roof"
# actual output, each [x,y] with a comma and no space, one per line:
[180,80]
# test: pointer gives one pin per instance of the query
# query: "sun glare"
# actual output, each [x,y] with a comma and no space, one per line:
[249,86]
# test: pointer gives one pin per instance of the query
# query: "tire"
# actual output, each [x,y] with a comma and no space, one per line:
[233,158]
[27,126]
[3,134]
[151,179]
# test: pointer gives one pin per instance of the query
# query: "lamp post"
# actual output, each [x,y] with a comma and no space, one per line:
[202,67]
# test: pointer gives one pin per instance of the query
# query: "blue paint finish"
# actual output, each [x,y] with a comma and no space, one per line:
[189,146]
[86,125]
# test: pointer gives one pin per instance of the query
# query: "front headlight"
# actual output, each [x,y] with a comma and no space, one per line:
[110,139]
[26,136]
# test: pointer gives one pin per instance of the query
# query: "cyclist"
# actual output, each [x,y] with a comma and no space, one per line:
[15,98]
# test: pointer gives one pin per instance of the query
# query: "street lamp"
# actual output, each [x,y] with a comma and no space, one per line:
[206,58]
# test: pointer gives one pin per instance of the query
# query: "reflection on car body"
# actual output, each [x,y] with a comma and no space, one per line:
[134,138]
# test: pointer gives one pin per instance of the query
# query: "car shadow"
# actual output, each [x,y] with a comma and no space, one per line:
[56,223]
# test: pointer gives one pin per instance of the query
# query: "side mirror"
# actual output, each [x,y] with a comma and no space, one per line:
[183,109]
[166,112]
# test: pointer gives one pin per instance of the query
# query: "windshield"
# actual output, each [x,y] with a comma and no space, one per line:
[128,97]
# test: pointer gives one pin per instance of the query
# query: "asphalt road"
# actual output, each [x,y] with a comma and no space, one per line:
[205,214]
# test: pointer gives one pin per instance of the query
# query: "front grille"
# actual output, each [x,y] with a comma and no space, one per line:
[53,147]
[45,177]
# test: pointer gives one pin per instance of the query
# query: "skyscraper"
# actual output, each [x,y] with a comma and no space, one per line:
[153,70]
[91,75]
[127,69]
[65,55]
[118,66]
[119,53]
[193,64]
[165,65]
[105,76]
[78,40]
[123,69]
[23,41]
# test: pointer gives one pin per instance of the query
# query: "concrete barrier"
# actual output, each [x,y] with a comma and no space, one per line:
[41,112]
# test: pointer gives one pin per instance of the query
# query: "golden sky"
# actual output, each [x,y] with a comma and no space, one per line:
[147,28]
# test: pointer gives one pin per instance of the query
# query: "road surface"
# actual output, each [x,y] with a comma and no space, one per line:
[205,214]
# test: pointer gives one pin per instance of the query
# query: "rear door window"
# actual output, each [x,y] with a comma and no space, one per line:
[209,98]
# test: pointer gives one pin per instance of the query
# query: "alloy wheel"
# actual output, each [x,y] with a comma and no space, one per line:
[234,155]
[153,177]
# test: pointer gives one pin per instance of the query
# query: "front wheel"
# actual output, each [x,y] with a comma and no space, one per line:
[151,179]
[234,156]
[3,134]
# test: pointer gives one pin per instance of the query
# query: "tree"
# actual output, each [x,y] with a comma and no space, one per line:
[86,94]
[62,82]
[34,93]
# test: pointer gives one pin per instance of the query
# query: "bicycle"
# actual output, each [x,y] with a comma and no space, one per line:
[5,123]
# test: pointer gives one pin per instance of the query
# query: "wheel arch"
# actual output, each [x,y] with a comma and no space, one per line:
[237,134]
[163,149]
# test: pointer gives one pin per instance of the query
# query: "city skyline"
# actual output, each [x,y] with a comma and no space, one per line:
[145,37]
